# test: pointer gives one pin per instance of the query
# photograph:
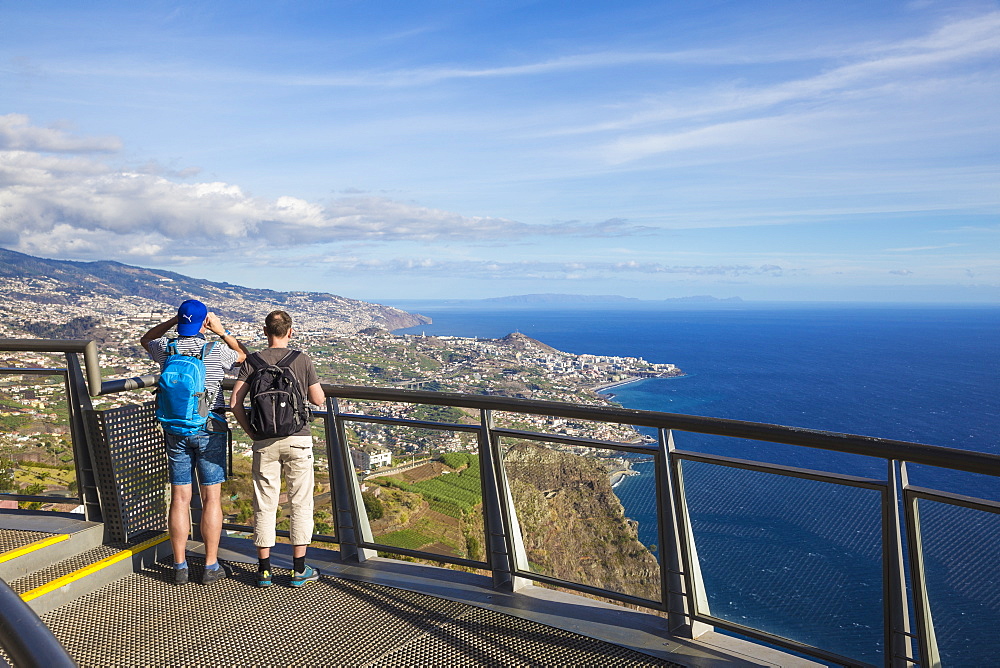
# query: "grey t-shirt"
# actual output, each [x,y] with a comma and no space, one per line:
[302,367]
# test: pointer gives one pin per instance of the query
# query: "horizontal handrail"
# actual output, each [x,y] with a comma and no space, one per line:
[125,384]
[38,498]
[868,446]
[87,348]
[25,638]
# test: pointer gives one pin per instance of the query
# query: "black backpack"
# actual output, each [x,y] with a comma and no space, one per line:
[277,405]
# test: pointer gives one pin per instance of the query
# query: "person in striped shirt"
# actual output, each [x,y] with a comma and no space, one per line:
[204,450]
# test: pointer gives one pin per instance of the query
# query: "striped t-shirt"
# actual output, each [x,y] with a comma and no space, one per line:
[217,363]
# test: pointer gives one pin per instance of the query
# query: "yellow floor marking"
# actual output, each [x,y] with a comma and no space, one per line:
[31,547]
[92,568]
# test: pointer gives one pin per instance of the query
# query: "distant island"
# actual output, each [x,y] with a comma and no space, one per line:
[559,299]
[551,298]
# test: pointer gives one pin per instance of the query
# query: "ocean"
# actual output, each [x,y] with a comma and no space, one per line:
[923,374]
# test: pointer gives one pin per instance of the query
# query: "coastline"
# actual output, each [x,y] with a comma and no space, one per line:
[604,387]
[617,477]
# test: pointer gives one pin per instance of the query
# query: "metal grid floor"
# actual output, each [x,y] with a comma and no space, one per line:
[146,620]
[12,539]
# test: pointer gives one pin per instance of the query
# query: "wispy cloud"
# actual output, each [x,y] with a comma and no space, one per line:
[485,269]
[921,248]
[799,106]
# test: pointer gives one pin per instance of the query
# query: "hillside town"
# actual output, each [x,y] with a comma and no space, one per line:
[350,342]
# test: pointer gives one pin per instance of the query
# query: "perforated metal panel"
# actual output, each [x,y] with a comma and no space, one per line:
[144,619]
[131,465]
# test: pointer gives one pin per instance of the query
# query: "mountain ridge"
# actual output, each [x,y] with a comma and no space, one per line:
[80,289]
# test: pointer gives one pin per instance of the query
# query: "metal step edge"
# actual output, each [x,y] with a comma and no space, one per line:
[81,574]
[45,552]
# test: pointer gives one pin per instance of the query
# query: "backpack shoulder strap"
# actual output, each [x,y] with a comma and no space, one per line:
[171,346]
[290,356]
[255,361]
[206,349]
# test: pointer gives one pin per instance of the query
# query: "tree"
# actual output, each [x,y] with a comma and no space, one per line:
[373,506]
[7,483]
[31,490]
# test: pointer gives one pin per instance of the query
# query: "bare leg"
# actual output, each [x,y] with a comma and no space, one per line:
[211,521]
[179,521]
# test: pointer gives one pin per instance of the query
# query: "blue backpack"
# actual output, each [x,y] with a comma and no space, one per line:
[182,401]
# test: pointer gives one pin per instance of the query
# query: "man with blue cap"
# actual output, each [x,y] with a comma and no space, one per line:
[202,448]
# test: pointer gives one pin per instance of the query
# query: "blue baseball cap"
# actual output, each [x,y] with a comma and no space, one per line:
[190,317]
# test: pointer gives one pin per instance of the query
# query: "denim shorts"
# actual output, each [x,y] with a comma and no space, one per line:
[202,450]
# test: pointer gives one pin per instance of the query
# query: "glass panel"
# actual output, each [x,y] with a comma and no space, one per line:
[981,486]
[323,512]
[961,549]
[237,490]
[421,489]
[547,424]
[797,558]
[782,454]
[408,411]
[573,525]
[36,447]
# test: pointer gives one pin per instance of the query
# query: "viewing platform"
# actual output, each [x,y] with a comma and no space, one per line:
[381,612]
[850,548]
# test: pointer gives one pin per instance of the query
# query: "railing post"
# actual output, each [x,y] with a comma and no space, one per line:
[681,606]
[506,548]
[671,573]
[80,413]
[353,528]
[895,609]
[929,656]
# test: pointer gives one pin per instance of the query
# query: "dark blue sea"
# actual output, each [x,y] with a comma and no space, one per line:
[922,374]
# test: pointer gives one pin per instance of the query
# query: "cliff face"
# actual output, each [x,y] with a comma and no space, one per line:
[573,525]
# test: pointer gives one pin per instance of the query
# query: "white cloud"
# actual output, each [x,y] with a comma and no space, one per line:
[17,134]
[70,205]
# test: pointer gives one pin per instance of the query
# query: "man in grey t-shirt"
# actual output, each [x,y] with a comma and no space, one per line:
[291,454]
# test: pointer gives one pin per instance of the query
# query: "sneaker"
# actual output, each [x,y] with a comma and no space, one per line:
[263,579]
[214,575]
[310,574]
[180,576]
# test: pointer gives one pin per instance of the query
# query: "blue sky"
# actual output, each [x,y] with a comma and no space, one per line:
[407,150]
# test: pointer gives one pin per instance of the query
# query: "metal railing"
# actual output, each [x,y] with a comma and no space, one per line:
[80,383]
[683,593]
[24,638]
[683,596]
